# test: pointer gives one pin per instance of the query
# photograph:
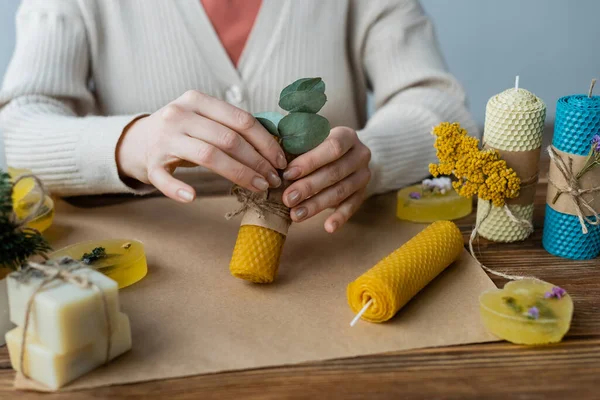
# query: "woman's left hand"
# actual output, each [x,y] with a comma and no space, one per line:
[334,174]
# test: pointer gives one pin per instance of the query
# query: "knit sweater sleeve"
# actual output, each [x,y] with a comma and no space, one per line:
[394,46]
[47,111]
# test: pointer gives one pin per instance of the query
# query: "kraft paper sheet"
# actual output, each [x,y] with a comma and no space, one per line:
[189,316]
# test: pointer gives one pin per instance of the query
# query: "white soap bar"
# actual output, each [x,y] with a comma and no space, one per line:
[56,370]
[64,317]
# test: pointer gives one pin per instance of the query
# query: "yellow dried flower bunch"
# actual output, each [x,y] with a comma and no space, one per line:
[478,172]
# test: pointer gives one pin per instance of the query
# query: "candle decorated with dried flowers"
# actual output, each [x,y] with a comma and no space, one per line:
[432,200]
[514,125]
[572,224]
[527,311]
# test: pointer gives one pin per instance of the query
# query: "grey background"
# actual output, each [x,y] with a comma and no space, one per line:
[554,45]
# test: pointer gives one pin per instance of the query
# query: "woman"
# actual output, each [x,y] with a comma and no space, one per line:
[112,96]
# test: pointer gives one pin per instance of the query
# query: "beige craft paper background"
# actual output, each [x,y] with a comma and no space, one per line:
[189,316]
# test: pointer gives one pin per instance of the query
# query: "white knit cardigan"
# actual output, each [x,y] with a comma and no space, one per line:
[83,69]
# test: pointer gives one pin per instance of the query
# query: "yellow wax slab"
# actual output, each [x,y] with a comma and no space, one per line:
[431,207]
[527,312]
[56,370]
[125,262]
[401,275]
[64,317]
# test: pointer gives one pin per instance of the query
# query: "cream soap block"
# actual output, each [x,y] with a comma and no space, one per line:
[64,317]
[56,370]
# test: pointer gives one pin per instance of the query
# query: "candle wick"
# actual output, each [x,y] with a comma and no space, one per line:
[361,312]
[517,82]
[591,88]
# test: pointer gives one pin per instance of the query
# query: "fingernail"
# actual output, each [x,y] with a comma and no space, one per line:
[281,161]
[260,184]
[291,173]
[274,179]
[301,213]
[334,225]
[185,195]
[293,198]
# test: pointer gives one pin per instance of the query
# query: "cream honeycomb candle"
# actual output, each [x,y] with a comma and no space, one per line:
[382,291]
[514,125]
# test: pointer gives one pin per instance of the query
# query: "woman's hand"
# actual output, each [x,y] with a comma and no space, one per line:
[334,174]
[197,129]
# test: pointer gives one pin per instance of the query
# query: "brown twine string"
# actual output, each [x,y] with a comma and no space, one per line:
[61,270]
[20,224]
[574,190]
[258,202]
[474,233]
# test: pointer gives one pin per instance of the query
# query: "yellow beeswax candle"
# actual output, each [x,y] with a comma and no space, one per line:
[528,312]
[397,278]
[122,260]
[256,254]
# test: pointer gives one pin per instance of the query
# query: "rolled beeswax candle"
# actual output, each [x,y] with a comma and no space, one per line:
[64,317]
[528,311]
[514,124]
[123,260]
[577,121]
[57,369]
[401,275]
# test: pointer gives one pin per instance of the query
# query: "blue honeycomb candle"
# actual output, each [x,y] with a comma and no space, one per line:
[577,122]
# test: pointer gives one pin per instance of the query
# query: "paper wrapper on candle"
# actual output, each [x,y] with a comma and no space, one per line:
[577,121]
[514,125]
[401,275]
[260,242]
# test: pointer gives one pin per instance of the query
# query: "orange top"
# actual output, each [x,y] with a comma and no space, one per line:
[233,21]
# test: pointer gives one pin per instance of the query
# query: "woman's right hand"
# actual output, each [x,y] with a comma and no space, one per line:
[198,129]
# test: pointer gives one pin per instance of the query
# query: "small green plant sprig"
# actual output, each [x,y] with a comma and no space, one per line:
[302,129]
[17,243]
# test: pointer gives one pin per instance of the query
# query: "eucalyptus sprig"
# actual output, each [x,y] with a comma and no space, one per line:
[17,243]
[302,129]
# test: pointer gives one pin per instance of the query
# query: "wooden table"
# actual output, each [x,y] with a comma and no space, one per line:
[569,370]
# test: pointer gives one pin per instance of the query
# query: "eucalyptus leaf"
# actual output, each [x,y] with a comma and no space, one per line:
[302,132]
[303,101]
[270,120]
[304,84]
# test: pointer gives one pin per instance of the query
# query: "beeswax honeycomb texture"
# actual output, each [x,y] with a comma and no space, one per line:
[396,279]
[498,227]
[577,121]
[256,254]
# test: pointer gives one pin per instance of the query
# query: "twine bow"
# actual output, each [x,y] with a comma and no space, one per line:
[60,270]
[258,202]
[574,191]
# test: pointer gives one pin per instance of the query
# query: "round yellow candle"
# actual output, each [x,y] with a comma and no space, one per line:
[401,275]
[527,312]
[124,260]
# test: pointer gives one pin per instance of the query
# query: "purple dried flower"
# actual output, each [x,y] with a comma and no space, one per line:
[533,313]
[557,293]
[596,143]
[414,195]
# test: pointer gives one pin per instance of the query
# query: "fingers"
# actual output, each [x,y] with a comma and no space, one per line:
[345,211]
[209,156]
[338,143]
[171,187]
[231,143]
[325,177]
[331,196]
[238,120]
